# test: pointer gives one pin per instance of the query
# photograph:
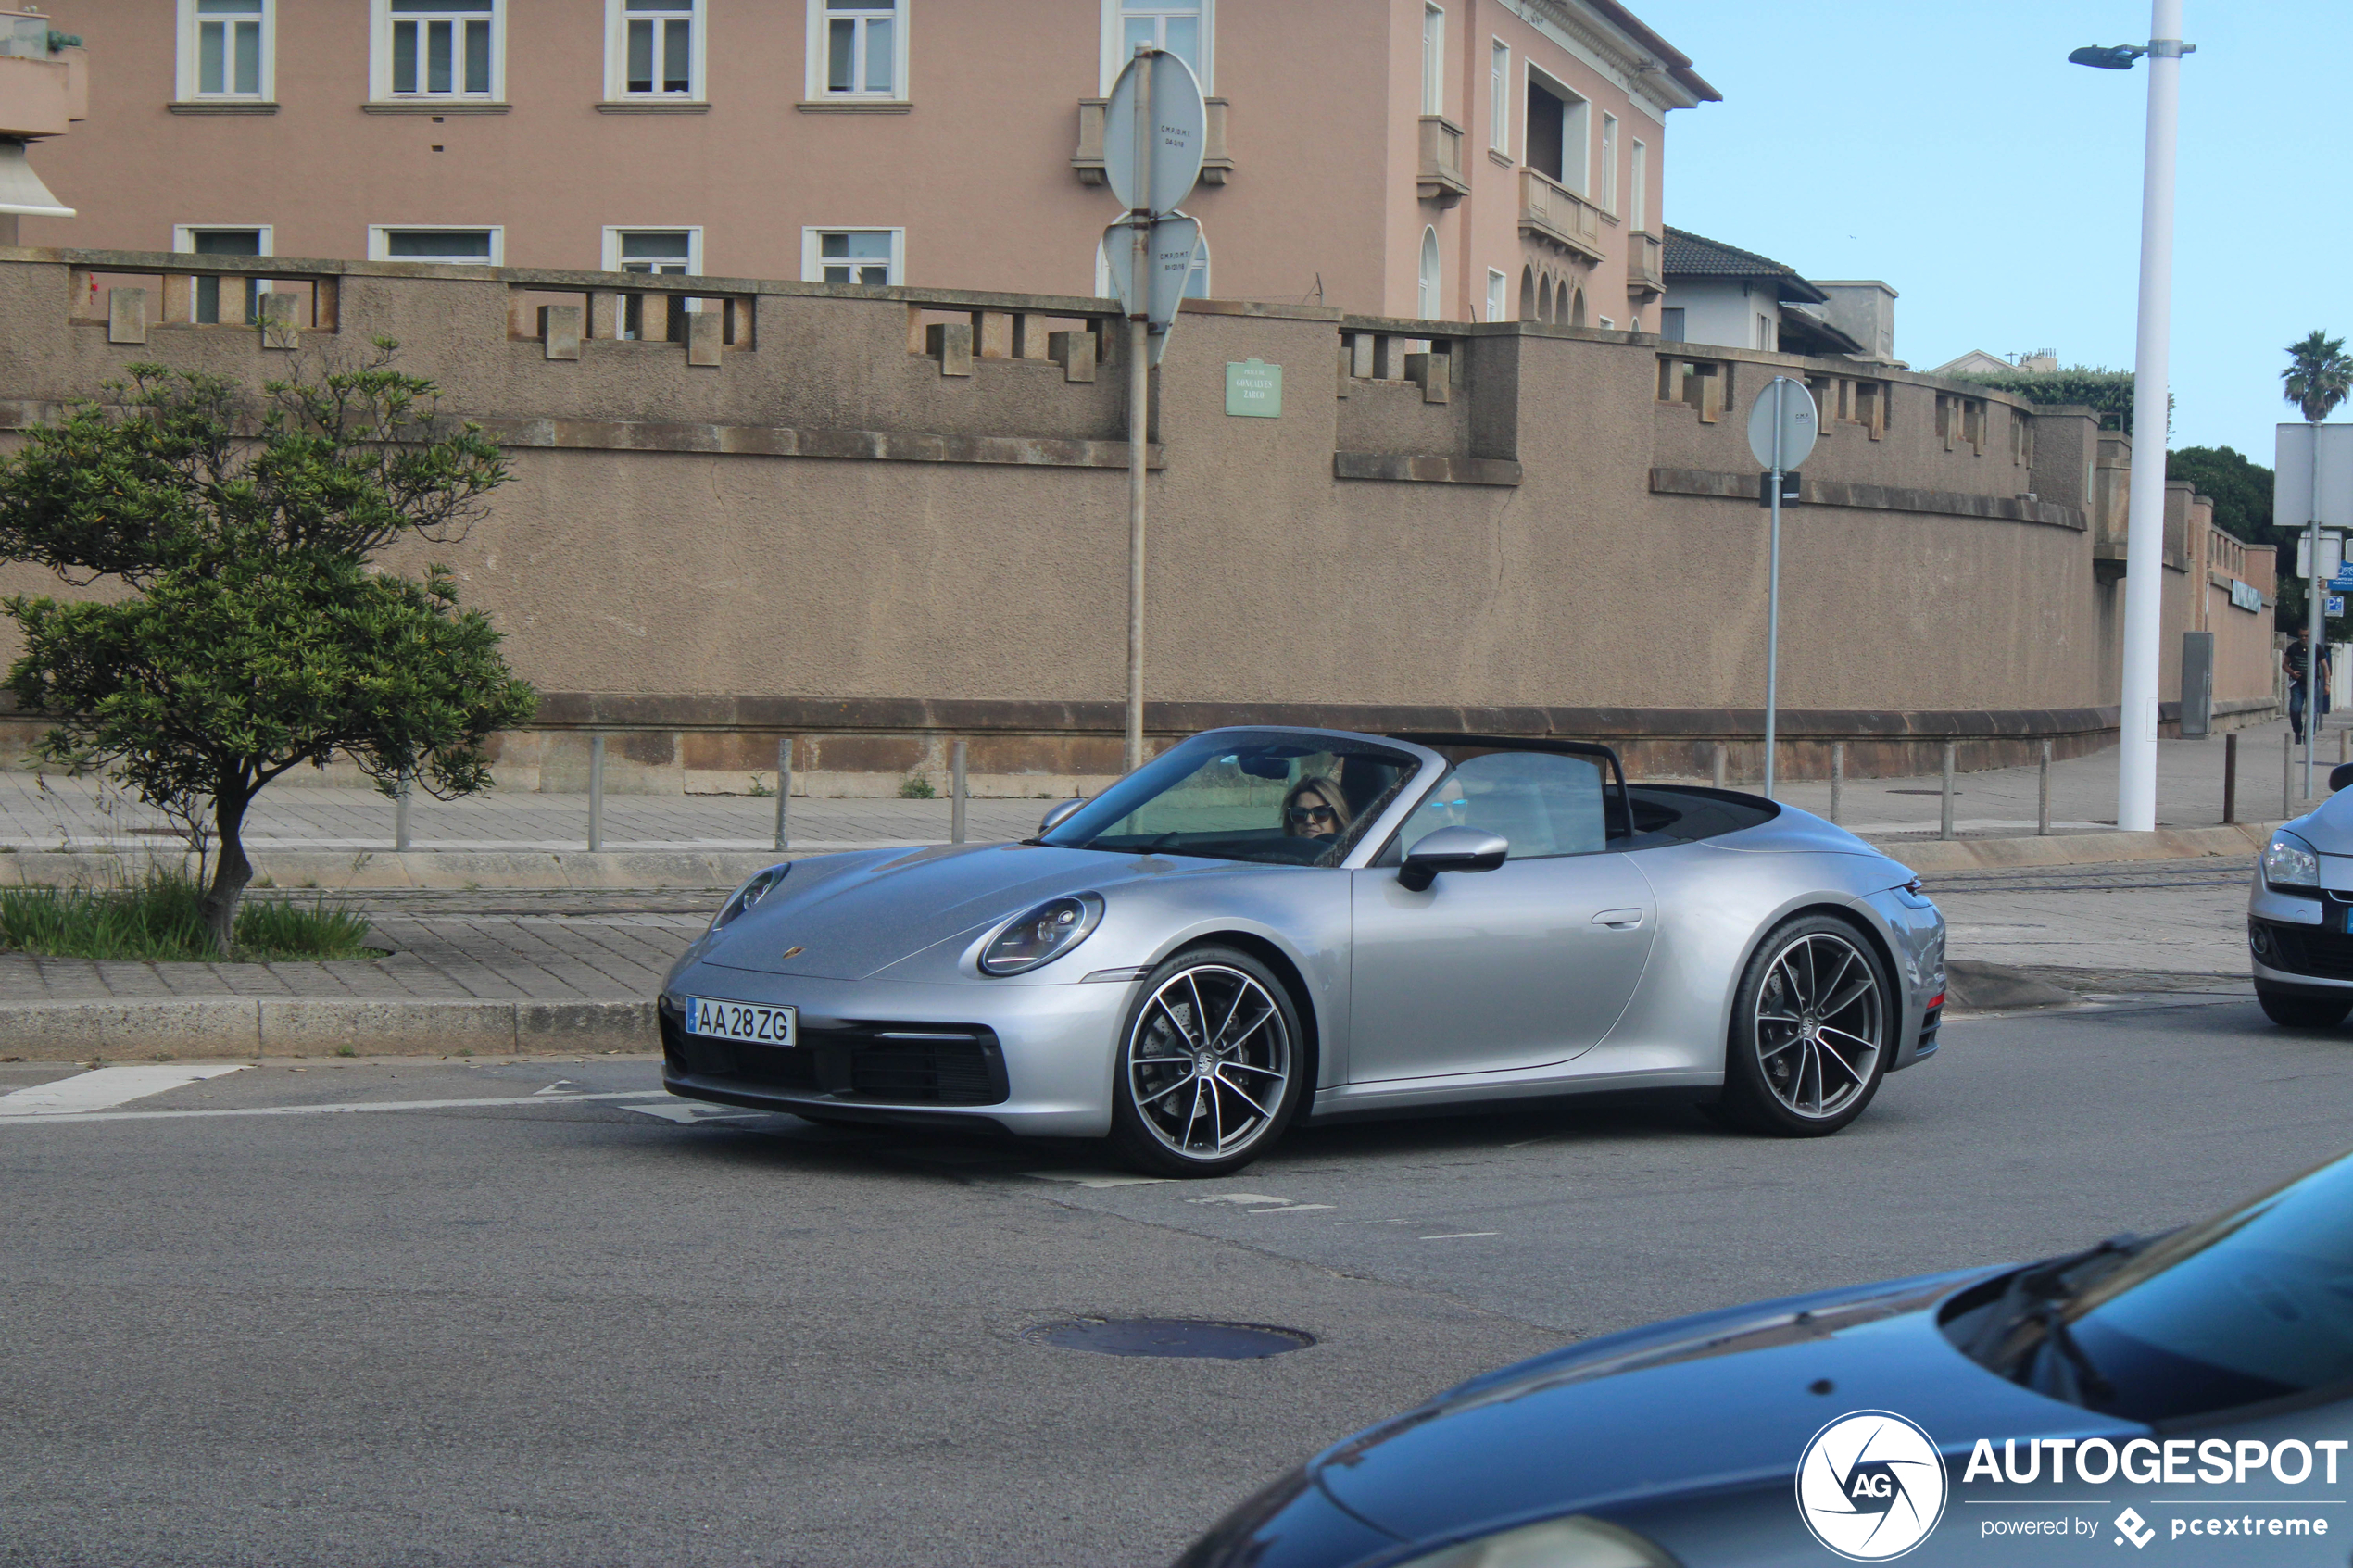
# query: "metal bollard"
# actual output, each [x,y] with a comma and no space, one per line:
[2288,776]
[784,788]
[596,793]
[956,794]
[1944,819]
[2043,796]
[400,816]
[1838,777]
[2229,778]
[1719,764]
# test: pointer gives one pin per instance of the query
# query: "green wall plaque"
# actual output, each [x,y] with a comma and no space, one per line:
[1255,389]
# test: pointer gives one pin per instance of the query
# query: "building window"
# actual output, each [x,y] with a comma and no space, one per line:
[858,49]
[1184,28]
[867,257]
[1609,163]
[1638,205]
[440,48]
[1499,98]
[1670,323]
[1556,132]
[669,251]
[1497,286]
[1427,297]
[467,247]
[1433,60]
[193,240]
[1764,335]
[654,49]
[225,48]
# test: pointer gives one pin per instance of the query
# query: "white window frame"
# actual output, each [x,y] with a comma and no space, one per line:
[1433,59]
[1499,97]
[1499,295]
[813,262]
[1609,164]
[1113,35]
[614,233]
[1430,276]
[815,88]
[380,61]
[184,242]
[185,85]
[1639,172]
[617,19]
[380,243]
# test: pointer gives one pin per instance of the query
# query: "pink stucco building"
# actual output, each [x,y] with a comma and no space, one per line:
[1464,159]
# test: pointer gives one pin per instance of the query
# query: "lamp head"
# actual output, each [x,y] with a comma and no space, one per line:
[2114,56]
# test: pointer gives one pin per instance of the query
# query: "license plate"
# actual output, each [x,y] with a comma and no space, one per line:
[743,1021]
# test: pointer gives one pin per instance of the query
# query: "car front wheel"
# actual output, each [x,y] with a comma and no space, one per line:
[1812,1026]
[1209,1065]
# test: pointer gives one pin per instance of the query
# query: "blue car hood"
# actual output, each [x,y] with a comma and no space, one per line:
[1722,1402]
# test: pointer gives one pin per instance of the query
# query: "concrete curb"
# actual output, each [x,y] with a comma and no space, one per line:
[338,871]
[129,1029]
[2243,839]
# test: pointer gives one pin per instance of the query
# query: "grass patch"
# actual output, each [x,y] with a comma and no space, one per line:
[158,920]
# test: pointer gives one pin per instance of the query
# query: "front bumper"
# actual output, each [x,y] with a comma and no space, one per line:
[1033,1059]
[2300,945]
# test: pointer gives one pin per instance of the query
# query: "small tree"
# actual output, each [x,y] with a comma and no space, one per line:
[255,635]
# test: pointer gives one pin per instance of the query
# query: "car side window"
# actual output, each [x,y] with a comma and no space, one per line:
[1543,803]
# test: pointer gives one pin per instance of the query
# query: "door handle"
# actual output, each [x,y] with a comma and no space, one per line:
[1619,919]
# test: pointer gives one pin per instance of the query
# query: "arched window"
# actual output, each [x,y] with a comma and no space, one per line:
[1528,307]
[1427,297]
[1577,309]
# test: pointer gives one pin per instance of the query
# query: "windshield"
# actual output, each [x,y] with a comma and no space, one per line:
[2253,1306]
[1268,796]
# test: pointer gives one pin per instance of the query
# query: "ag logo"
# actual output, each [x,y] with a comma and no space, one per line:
[1870,1486]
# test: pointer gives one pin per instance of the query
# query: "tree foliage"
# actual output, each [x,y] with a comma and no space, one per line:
[2239,487]
[2107,393]
[255,634]
[2319,374]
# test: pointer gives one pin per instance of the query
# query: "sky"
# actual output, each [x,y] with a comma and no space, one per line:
[1952,151]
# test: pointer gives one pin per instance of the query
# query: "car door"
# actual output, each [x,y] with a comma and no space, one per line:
[1521,967]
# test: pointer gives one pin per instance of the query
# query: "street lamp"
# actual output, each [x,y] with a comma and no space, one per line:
[2145,518]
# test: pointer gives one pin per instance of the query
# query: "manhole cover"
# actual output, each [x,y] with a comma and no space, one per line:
[1171,1337]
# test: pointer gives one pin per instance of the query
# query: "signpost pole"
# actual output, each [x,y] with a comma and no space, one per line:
[1773,589]
[2316,626]
[1138,399]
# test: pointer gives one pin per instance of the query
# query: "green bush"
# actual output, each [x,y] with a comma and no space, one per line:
[915,786]
[162,918]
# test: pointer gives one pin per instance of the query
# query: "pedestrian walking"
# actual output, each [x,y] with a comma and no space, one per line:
[2293,658]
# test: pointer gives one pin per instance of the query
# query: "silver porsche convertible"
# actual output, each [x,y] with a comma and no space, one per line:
[1267,925]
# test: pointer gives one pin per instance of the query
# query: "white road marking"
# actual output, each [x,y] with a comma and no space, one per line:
[1292,1209]
[1241,1199]
[1096,1178]
[686,1111]
[314,1110]
[1459,1236]
[104,1086]
[559,1086]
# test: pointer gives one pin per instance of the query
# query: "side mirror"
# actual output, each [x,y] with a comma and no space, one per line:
[1452,849]
[1059,815]
[2341,775]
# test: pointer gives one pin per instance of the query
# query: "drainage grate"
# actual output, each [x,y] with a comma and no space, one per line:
[1171,1337]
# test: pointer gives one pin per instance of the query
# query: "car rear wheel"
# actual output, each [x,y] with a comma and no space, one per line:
[1813,1026]
[1209,1064]
[2304,1012]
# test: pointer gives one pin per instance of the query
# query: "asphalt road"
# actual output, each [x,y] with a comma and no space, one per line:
[566,1331]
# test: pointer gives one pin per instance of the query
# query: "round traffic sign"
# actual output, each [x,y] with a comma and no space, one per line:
[1782,426]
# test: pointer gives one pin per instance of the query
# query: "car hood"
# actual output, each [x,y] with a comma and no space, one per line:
[847,916]
[1721,1401]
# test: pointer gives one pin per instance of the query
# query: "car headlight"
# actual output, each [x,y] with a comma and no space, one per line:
[1573,1542]
[1040,935]
[744,897]
[2289,862]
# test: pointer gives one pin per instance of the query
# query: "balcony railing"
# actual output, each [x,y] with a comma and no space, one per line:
[1549,210]
[1645,264]
[1216,164]
[1440,177]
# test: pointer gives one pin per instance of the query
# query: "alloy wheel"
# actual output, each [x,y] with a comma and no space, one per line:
[1209,1062]
[1820,1017]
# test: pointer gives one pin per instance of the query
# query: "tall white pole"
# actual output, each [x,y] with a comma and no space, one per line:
[2144,549]
[1773,588]
[1138,403]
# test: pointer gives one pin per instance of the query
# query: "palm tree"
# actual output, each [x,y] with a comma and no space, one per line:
[2318,375]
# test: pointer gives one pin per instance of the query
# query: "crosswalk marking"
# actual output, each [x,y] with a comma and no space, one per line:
[105,1088]
[685,1111]
[77,1118]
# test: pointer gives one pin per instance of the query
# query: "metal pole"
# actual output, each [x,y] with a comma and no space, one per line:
[2144,545]
[2287,775]
[2043,796]
[1944,822]
[784,789]
[1719,764]
[2229,778]
[400,816]
[1838,777]
[596,793]
[1773,588]
[1138,399]
[956,795]
[2315,624]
